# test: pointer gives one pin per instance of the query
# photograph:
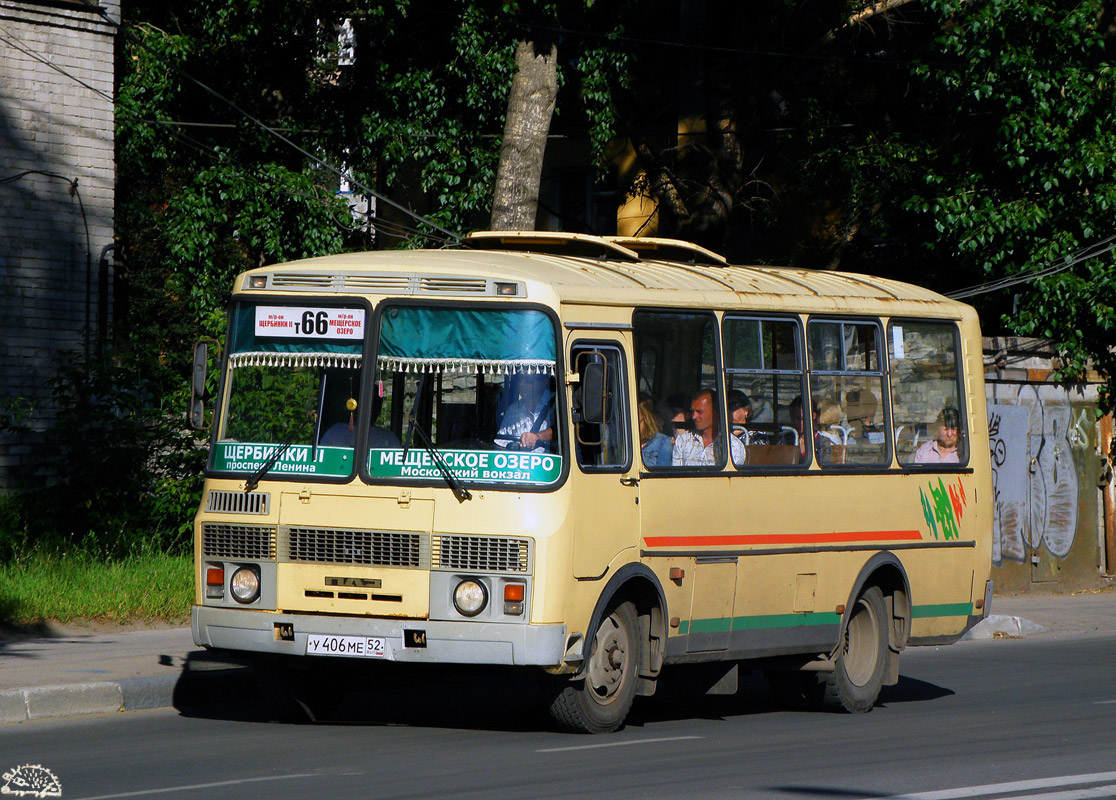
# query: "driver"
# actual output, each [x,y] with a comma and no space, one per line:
[528,422]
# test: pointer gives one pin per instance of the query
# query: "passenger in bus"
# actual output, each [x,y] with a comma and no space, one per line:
[701,446]
[943,448]
[740,415]
[655,445]
[823,445]
[528,421]
[675,420]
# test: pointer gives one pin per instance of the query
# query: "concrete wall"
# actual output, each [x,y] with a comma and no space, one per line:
[1046,465]
[56,117]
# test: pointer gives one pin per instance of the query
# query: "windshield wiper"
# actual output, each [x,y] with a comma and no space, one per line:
[459,490]
[254,479]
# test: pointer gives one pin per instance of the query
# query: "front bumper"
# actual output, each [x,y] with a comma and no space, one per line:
[446,642]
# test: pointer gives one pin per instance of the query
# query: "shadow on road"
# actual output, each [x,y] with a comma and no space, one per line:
[463,697]
[912,690]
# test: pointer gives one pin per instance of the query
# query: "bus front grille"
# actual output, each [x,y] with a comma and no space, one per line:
[223,540]
[480,553]
[333,546]
[225,502]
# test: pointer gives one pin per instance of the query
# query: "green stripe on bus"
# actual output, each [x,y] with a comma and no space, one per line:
[943,610]
[770,621]
[763,622]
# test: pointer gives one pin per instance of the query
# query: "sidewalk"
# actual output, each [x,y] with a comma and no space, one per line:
[74,670]
[1054,615]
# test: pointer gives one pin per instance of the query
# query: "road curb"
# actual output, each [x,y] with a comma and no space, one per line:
[191,688]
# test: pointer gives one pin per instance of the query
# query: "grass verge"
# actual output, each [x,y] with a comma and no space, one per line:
[148,587]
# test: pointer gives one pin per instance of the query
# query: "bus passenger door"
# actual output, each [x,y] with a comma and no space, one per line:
[603,480]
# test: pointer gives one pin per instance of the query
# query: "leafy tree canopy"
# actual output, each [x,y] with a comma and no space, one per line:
[946,142]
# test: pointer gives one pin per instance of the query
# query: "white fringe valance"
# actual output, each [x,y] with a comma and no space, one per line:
[483,365]
[328,360]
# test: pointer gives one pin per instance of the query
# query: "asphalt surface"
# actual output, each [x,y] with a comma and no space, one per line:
[71,670]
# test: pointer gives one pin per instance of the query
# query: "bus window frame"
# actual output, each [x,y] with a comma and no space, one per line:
[221,398]
[962,405]
[622,405]
[725,467]
[886,464]
[560,406]
[802,372]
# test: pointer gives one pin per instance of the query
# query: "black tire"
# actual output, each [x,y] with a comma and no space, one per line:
[598,700]
[294,690]
[854,686]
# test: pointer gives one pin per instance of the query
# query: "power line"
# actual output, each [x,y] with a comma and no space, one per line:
[1085,254]
[13,42]
[392,229]
[275,133]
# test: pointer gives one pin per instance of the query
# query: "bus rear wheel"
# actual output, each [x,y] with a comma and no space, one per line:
[854,685]
[599,699]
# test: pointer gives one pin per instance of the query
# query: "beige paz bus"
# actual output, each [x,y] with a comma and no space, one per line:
[596,458]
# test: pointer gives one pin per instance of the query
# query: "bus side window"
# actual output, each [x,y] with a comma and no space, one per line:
[676,362]
[601,441]
[846,384]
[764,373]
[925,387]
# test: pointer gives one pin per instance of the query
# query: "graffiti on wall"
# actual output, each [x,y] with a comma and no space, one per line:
[1007,439]
[1033,476]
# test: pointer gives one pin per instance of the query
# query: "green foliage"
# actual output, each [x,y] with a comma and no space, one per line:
[75,583]
[128,473]
[1027,180]
[273,405]
[943,142]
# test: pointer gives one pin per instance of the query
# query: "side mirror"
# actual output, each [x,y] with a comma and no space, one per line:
[596,405]
[199,395]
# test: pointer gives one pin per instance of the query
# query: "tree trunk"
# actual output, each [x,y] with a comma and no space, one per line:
[530,107]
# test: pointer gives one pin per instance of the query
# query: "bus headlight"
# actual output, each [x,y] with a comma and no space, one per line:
[470,597]
[245,585]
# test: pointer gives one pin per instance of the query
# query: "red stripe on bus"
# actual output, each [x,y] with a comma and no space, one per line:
[780,538]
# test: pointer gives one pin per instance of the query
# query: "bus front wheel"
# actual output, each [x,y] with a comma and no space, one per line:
[600,698]
[854,684]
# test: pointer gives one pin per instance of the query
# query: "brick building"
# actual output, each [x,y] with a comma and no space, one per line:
[57,173]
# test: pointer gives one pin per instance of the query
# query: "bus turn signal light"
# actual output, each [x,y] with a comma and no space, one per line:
[215,581]
[513,599]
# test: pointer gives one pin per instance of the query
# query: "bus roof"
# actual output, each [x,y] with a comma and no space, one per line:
[592,270]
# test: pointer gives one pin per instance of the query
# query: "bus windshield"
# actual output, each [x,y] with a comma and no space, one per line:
[289,367]
[473,388]
[477,386]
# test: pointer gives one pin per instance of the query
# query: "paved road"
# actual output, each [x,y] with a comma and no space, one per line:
[995,718]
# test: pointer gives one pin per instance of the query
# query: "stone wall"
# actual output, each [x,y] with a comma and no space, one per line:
[57,174]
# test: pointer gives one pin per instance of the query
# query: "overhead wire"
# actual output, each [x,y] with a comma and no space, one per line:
[12,41]
[1088,253]
[341,174]
[395,230]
